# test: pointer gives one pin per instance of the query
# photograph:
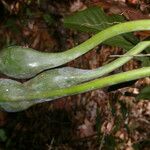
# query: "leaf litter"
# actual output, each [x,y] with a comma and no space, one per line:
[87,121]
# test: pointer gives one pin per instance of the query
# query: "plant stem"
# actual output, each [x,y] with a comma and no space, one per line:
[116,63]
[67,76]
[23,63]
[92,85]
[95,40]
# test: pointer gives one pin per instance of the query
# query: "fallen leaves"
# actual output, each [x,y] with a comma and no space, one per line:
[121,8]
[77,5]
[86,117]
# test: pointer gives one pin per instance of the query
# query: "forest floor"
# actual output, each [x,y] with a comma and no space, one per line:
[104,119]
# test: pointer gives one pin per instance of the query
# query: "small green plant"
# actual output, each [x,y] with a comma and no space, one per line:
[23,63]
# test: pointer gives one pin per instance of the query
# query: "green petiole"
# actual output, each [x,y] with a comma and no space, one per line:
[68,76]
[95,84]
[29,98]
[19,62]
[52,84]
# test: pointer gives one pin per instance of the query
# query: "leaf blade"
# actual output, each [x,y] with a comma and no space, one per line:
[94,20]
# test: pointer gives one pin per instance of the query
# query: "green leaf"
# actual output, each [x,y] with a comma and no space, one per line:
[145,93]
[94,20]
[91,20]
